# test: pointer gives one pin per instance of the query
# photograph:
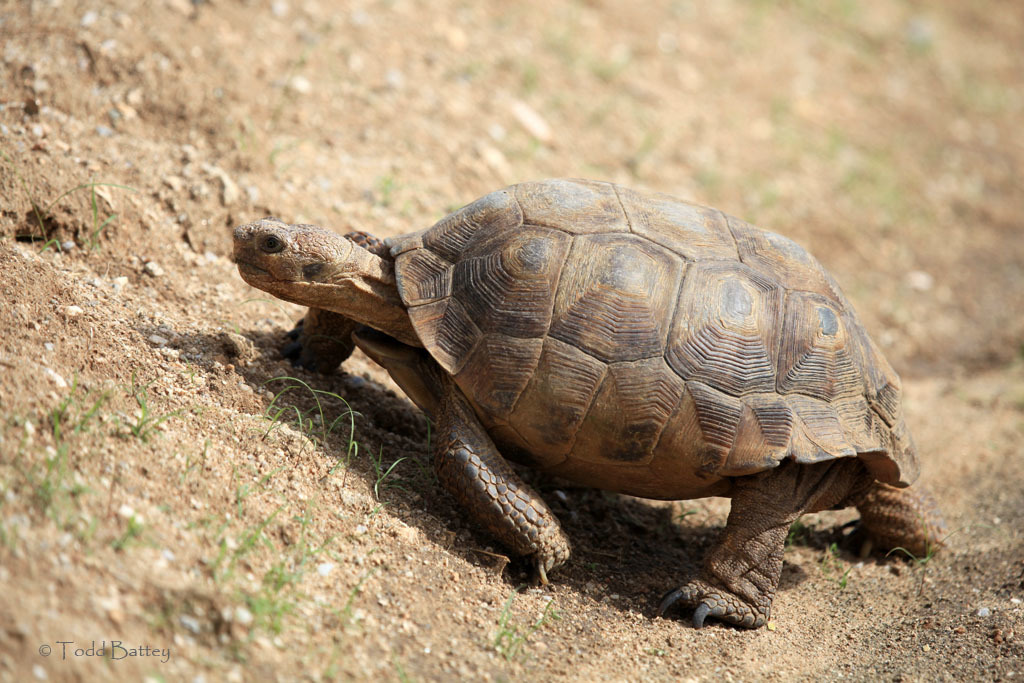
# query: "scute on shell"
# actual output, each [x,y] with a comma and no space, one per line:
[647,345]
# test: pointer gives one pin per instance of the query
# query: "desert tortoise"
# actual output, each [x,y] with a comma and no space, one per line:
[626,341]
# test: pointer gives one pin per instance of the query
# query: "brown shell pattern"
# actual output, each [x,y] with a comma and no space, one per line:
[639,343]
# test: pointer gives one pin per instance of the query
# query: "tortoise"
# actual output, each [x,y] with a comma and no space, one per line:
[626,341]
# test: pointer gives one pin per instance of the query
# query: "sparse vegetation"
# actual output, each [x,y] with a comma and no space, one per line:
[833,567]
[510,641]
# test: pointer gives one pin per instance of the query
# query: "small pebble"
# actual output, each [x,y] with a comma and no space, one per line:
[190,623]
[48,346]
[919,280]
[353,382]
[104,131]
[157,340]
[73,311]
[532,122]
[324,568]
[984,612]
[57,379]
[1015,601]
[68,245]
[39,672]
[243,616]
[89,18]
[395,79]
[300,84]
[153,269]
[361,529]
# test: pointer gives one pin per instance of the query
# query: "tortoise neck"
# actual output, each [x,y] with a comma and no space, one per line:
[370,295]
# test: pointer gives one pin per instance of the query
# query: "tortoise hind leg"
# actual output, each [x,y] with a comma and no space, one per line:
[902,518]
[741,573]
[469,466]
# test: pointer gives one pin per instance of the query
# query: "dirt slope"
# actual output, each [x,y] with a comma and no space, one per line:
[158,491]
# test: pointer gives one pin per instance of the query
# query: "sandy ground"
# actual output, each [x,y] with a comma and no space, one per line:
[162,502]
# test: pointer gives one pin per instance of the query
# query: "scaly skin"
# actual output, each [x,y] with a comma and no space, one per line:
[741,573]
[469,466]
[321,341]
[902,518]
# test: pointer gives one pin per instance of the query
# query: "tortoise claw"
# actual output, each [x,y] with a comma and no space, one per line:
[700,614]
[710,601]
[670,599]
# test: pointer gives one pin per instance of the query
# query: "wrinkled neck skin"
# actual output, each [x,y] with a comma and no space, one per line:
[366,292]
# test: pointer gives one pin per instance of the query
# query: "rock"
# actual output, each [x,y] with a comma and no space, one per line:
[532,122]
[300,84]
[157,340]
[984,612]
[55,378]
[237,346]
[229,192]
[325,568]
[73,311]
[153,269]
[190,623]
[919,280]
[243,616]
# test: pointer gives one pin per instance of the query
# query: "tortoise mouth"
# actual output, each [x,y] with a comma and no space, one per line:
[254,275]
[247,268]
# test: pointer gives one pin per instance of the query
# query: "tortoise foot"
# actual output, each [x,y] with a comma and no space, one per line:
[299,353]
[320,342]
[554,552]
[712,601]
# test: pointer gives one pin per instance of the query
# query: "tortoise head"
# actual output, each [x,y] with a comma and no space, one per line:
[314,267]
[293,262]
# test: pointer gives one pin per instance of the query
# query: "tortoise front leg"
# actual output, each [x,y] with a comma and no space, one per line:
[321,341]
[469,466]
[742,572]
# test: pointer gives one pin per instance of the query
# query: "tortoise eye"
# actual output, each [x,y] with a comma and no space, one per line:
[272,244]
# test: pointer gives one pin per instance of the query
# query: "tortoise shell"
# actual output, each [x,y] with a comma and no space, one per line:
[641,344]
